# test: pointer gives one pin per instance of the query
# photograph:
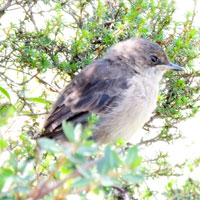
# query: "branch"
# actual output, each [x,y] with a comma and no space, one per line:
[4,7]
[43,189]
[122,193]
[33,114]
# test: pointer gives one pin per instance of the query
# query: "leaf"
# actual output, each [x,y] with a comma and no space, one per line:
[109,162]
[82,182]
[93,118]
[77,132]
[107,181]
[137,162]
[86,133]
[2,90]
[38,100]
[49,145]
[22,189]
[3,144]
[133,178]
[87,151]
[68,130]
[85,173]
[6,112]
[74,159]
[5,173]
[120,142]
[131,156]
[111,158]
[80,159]
[13,162]
[103,167]
[29,112]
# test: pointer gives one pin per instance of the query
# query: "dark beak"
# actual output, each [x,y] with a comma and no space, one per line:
[172,66]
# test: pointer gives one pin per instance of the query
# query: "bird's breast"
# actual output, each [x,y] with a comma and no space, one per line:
[134,109]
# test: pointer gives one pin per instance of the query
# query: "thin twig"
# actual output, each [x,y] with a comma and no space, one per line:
[43,189]
[4,7]
[122,193]
[33,114]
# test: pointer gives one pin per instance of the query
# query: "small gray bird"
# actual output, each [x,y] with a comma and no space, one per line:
[122,89]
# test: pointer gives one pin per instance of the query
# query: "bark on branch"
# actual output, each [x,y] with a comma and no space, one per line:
[4,7]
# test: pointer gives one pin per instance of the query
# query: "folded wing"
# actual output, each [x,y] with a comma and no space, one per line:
[97,89]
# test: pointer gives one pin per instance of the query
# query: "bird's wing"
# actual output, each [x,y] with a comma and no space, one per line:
[95,90]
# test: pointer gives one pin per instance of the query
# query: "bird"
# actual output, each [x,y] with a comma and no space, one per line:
[122,89]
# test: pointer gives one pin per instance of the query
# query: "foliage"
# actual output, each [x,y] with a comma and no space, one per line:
[33,174]
[47,44]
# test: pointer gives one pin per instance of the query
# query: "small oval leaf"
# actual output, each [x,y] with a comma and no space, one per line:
[38,100]
[3,91]
[68,130]
[49,145]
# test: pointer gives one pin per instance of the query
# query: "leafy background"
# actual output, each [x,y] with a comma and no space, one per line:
[42,47]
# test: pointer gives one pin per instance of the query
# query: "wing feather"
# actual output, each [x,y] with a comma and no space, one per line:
[94,90]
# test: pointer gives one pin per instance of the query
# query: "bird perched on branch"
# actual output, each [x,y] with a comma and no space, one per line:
[121,88]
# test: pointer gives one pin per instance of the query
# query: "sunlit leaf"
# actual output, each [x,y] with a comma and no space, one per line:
[38,100]
[22,189]
[68,129]
[2,90]
[82,182]
[132,178]
[3,144]
[103,167]
[85,150]
[132,155]
[77,132]
[4,174]
[49,145]
[87,133]
[6,112]
[109,162]
[85,173]
[111,158]
[107,181]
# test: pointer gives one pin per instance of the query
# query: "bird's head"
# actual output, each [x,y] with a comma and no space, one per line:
[142,56]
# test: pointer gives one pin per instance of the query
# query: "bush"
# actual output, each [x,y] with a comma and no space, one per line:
[41,50]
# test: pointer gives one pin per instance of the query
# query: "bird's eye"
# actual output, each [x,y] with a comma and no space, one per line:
[154,59]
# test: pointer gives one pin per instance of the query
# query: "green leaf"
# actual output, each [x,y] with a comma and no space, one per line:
[2,90]
[111,157]
[38,100]
[3,144]
[49,145]
[5,173]
[132,178]
[77,132]
[87,151]
[132,155]
[22,189]
[107,181]
[85,173]
[13,162]
[75,158]
[93,118]
[103,167]
[109,162]
[120,142]
[68,130]
[29,112]
[80,159]
[86,133]
[82,182]
[137,162]
[6,112]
